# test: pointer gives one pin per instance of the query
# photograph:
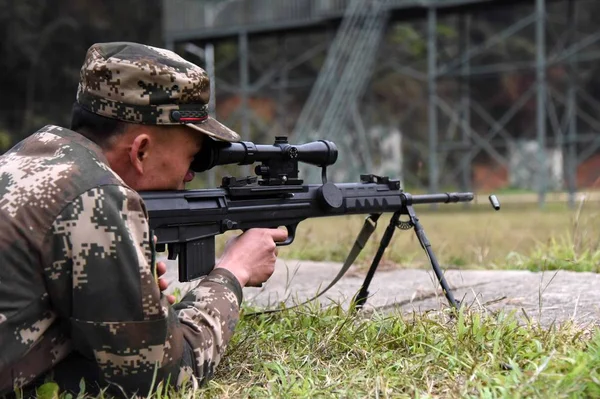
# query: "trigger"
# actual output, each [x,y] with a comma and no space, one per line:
[173,250]
[291,235]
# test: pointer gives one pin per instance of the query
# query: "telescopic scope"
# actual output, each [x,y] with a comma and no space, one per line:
[319,153]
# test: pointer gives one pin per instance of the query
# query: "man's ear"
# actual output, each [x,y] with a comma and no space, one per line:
[139,152]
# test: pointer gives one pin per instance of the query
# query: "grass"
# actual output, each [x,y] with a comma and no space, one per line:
[473,353]
[330,353]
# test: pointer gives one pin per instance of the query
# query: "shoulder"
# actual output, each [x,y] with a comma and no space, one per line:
[57,158]
[103,202]
[50,169]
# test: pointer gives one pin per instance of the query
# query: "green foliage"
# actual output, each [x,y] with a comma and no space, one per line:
[49,390]
[5,140]
[406,35]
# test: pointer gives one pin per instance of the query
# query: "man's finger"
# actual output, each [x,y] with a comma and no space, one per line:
[163,284]
[279,234]
[161,268]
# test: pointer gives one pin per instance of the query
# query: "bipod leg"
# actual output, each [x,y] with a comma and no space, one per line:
[414,220]
[362,295]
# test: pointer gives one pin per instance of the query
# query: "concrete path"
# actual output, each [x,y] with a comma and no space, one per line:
[545,297]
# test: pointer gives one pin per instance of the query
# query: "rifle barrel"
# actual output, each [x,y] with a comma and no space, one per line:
[438,198]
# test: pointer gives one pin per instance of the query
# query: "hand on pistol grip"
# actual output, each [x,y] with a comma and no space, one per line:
[251,256]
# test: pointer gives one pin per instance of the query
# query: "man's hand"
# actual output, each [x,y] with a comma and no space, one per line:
[251,256]
[161,268]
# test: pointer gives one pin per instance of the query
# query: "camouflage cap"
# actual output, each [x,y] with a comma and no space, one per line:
[137,83]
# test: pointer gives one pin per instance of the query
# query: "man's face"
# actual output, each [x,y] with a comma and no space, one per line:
[161,157]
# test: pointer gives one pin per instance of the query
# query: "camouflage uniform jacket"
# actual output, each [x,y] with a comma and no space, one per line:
[77,276]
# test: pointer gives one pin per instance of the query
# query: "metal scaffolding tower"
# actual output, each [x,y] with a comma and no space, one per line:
[457,139]
[341,84]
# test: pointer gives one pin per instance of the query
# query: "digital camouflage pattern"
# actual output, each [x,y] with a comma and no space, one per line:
[77,278]
[144,84]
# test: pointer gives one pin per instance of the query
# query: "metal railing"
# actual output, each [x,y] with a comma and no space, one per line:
[198,18]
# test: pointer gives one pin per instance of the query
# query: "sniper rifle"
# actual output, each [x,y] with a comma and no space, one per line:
[187,221]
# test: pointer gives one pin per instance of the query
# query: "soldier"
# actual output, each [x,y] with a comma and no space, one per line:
[79,295]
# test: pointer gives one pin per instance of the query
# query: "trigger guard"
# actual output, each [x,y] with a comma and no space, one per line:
[291,235]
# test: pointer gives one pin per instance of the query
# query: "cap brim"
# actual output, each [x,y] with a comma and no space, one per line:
[215,129]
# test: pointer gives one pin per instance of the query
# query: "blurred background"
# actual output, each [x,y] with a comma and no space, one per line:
[482,95]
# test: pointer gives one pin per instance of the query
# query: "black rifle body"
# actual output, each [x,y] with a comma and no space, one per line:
[188,221]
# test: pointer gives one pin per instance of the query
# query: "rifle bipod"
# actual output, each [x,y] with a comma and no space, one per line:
[395,222]
[361,240]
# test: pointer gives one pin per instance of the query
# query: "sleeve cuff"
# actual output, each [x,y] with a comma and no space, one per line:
[228,279]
